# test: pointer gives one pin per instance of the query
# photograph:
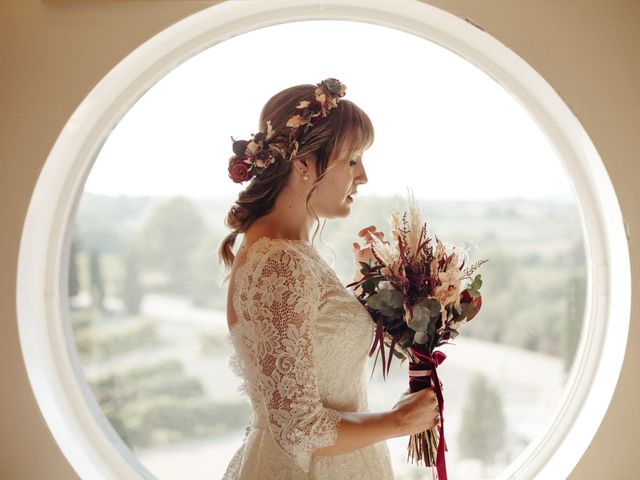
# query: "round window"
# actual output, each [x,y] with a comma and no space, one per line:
[135,357]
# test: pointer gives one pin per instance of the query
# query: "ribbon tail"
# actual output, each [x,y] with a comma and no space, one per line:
[441,464]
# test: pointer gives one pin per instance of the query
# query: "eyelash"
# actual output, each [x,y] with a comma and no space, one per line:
[352,162]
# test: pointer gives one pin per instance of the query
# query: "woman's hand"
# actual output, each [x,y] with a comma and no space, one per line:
[414,413]
[363,254]
[417,412]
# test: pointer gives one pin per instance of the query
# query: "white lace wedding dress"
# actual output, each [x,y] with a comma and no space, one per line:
[301,341]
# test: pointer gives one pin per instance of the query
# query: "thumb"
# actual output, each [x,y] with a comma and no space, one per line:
[355,245]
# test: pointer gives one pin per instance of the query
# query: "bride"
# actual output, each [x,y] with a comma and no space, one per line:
[301,338]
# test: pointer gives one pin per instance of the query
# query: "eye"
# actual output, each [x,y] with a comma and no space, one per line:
[352,162]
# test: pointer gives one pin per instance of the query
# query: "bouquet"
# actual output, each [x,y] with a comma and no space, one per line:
[414,293]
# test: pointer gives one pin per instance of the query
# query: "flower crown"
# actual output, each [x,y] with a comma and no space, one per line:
[252,157]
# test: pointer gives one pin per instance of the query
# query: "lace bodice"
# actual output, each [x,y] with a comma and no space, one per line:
[301,341]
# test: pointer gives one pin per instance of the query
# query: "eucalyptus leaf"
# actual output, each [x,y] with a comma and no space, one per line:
[431,305]
[387,311]
[369,287]
[393,298]
[469,310]
[374,300]
[364,267]
[385,300]
[420,337]
[420,318]
[431,329]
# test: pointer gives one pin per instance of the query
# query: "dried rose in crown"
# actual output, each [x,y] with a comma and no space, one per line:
[334,86]
[239,170]
[296,121]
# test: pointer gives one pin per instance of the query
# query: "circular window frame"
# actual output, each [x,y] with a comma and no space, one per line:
[71,412]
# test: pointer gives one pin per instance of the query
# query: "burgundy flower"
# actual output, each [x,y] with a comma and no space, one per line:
[465,297]
[315,106]
[316,120]
[239,171]
[476,302]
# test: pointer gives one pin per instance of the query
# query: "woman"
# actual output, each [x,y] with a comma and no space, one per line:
[301,338]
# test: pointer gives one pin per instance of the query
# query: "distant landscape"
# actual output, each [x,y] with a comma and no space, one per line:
[147,313]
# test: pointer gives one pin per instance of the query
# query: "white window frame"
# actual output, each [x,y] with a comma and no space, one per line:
[69,408]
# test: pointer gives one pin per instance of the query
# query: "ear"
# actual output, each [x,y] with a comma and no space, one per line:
[305,162]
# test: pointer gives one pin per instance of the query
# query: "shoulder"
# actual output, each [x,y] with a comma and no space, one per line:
[282,268]
[282,254]
[285,254]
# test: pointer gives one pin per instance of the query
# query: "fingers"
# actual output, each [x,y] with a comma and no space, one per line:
[356,247]
[427,395]
[431,397]
[370,230]
[365,230]
[367,233]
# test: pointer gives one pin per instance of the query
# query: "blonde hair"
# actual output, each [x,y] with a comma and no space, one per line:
[345,130]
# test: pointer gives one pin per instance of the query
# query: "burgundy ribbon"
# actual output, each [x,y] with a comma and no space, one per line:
[430,361]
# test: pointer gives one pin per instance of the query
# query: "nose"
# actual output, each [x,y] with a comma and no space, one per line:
[362,177]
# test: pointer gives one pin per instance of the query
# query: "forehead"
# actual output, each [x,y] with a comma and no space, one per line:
[346,153]
[353,147]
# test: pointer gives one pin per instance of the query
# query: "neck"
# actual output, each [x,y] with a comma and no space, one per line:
[288,218]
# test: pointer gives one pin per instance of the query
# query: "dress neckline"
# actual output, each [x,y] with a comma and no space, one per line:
[266,239]
[270,239]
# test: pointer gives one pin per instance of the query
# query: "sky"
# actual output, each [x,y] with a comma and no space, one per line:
[443,127]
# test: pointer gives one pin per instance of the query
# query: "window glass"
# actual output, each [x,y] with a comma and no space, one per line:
[148,314]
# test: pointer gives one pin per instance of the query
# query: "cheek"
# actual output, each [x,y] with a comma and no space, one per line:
[327,185]
[335,183]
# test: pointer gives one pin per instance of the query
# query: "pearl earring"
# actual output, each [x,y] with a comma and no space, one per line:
[305,176]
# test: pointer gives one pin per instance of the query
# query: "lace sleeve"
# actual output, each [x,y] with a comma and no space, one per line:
[283,304]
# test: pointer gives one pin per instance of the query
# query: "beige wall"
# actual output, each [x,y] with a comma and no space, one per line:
[53,53]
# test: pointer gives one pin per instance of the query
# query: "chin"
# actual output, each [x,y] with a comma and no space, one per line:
[342,213]
[345,212]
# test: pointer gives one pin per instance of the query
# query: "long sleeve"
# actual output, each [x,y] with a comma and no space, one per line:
[283,302]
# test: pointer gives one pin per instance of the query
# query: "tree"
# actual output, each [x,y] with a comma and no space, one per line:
[574,316]
[483,431]
[132,291]
[204,288]
[97,283]
[168,238]
[74,283]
